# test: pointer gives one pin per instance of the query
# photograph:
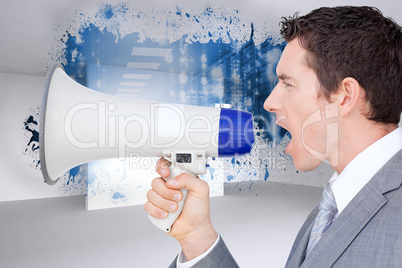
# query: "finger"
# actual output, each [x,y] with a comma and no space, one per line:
[160,187]
[162,167]
[189,182]
[160,202]
[154,211]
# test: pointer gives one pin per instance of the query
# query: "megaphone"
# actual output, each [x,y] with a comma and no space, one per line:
[79,125]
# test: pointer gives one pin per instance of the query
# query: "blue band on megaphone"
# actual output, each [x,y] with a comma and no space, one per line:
[236,132]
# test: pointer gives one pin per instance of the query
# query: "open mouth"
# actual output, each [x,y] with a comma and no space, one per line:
[279,122]
[282,125]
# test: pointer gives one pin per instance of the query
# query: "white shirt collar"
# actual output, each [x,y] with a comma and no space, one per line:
[363,167]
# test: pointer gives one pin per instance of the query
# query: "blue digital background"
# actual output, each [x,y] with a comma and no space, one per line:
[191,73]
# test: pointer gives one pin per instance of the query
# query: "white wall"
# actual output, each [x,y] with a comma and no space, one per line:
[19,179]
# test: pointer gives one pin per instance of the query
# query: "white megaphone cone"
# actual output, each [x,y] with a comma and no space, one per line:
[79,125]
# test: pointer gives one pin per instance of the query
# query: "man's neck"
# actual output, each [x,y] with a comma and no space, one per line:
[354,142]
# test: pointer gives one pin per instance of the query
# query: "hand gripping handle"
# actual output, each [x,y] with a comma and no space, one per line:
[166,223]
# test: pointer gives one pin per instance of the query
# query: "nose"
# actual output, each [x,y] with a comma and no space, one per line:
[272,103]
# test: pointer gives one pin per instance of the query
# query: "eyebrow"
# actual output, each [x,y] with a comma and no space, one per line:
[283,77]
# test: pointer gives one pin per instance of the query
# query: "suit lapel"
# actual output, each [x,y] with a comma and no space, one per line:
[345,228]
[356,215]
[296,256]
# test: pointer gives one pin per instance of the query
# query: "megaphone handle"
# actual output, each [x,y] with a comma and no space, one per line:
[166,223]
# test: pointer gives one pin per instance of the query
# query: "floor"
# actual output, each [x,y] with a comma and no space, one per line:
[258,225]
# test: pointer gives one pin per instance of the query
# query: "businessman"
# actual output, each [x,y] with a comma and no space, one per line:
[340,96]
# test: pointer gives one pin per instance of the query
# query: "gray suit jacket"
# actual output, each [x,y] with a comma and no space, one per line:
[368,232]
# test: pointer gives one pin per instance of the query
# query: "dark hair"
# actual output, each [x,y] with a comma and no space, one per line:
[356,42]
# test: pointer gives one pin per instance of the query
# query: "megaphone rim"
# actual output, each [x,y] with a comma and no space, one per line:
[42,158]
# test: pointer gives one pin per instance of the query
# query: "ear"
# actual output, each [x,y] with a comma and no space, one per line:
[348,95]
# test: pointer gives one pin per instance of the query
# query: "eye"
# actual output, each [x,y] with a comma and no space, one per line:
[287,84]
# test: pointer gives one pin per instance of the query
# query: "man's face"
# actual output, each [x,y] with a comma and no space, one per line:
[300,110]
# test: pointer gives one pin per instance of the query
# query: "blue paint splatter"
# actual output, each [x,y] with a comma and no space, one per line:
[211,172]
[30,126]
[73,173]
[230,177]
[266,174]
[109,14]
[33,143]
[117,195]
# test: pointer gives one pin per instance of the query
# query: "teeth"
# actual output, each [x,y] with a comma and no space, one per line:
[280,118]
